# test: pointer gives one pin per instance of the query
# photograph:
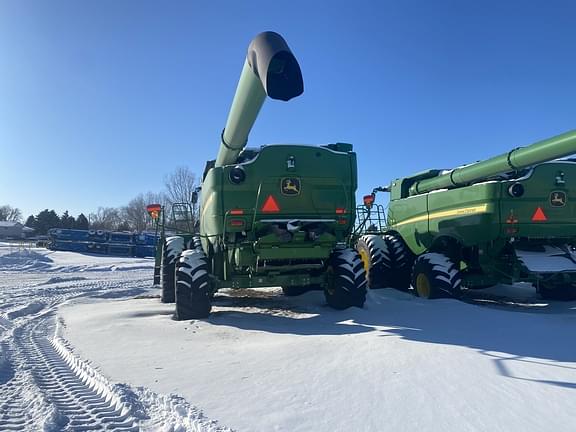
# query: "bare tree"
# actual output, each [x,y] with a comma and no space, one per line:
[105,218]
[181,187]
[156,198]
[135,213]
[9,213]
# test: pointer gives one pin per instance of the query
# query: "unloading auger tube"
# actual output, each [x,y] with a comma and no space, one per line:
[270,69]
[519,158]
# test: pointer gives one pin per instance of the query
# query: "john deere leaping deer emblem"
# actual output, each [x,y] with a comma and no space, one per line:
[290,186]
[558,199]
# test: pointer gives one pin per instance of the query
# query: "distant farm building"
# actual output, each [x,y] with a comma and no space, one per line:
[14,230]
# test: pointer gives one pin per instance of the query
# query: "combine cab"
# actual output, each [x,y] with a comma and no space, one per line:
[280,215]
[508,219]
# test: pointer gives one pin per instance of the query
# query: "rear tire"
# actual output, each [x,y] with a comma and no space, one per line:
[346,284]
[171,250]
[193,291]
[435,276]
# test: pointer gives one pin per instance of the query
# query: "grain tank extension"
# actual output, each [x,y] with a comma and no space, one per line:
[510,218]
[278,215]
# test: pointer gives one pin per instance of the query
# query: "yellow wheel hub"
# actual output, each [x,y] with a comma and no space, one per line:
[423,286]
[365,258]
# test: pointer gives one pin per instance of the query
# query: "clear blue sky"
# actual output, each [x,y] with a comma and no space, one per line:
[99,100]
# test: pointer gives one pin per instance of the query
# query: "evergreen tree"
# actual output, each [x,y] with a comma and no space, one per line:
[72,222]
[31,222]
[67,221]
[45,220]
[81,222]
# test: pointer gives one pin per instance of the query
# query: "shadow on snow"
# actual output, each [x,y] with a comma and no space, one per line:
[391,313]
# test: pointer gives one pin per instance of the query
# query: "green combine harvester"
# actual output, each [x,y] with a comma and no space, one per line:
[508,219]
[278,215]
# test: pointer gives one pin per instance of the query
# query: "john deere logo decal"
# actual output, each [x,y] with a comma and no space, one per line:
[558,199]
[290,186]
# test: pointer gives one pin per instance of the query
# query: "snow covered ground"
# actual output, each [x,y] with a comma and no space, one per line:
[44,385]
[85,341]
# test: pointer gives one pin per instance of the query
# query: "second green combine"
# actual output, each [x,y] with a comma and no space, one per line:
[278,215]
[508,219]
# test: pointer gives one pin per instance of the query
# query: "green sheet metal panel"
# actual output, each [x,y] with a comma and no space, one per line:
[547,208]
[469,214]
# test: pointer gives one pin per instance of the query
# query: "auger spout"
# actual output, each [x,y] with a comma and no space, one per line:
[270,69]
[517,159]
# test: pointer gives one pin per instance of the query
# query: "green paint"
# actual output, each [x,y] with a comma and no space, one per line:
[473,208]
[273,215]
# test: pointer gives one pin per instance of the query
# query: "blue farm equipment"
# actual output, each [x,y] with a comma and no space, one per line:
[102,242]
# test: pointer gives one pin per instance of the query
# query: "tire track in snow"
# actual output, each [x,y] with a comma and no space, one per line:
[45,386]
[13,408]
[82,398]
[20,409]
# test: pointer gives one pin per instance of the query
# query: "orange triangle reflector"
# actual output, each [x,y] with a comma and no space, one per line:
[270,205]
[539,215]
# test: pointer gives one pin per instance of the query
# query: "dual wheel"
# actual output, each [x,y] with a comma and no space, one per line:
[389,263]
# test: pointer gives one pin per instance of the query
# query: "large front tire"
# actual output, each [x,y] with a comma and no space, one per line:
[387,261]
[369,248]
[171,250]
[346,280]
[192,286]
[435,276]
[397,261]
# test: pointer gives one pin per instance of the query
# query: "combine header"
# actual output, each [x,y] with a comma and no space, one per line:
[102,242]
[508,219]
